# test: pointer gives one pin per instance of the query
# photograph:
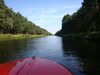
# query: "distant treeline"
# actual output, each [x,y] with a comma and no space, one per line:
[86,19]
[15,23]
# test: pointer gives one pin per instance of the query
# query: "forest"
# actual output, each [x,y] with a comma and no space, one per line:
[15,23]
[85,20]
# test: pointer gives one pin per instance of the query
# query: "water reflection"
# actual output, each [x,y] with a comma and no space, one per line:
[84,56]
[47,47]
[79,56]
[10,49]
[71,58]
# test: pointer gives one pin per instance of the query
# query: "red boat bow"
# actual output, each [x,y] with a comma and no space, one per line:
[33,66]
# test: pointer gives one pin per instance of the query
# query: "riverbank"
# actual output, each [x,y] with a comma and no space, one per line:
[94,36]
[18,36]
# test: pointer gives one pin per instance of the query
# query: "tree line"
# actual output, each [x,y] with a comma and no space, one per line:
[15,23]
[86,19]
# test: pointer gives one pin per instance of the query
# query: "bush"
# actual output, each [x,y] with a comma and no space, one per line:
[94,36]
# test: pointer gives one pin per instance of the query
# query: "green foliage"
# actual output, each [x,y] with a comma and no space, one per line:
[94,36]
[8,25]
[18,36]
[15,23]
[58,32]
[86,19]
[66,19]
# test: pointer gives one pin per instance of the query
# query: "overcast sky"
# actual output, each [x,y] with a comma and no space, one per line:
[47,14]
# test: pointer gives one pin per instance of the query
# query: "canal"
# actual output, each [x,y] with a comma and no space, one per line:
[80,56]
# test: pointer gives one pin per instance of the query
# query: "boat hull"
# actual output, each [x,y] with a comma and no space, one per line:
[33,66]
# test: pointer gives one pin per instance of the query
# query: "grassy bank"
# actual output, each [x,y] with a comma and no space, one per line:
[94,36]
[18,36]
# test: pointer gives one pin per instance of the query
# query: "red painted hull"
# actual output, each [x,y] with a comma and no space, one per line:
[33,66]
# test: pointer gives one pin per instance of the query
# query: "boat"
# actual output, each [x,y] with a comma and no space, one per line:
[33,66]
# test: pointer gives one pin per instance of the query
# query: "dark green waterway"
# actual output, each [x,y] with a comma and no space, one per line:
[80,56]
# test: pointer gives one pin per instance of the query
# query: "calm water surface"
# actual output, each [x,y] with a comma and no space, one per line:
[80,57]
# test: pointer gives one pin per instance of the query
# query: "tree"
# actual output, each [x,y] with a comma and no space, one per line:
[2,3]
[86,19]
[2,16]
[8,26]
[15,23]
[67,24]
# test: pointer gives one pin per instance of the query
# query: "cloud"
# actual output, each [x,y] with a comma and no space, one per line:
[40,22]
[52,16]
[44,21]
[71,7]
[47,16]
[26,11]
[49,19]
[51,11]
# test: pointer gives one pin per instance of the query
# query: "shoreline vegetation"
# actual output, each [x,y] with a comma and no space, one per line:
[18,36]
[15,23]
[92,36]
[84,23]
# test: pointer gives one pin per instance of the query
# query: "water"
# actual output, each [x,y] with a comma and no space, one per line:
[80,57]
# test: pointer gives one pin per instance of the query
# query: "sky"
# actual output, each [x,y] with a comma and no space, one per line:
[47,14]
